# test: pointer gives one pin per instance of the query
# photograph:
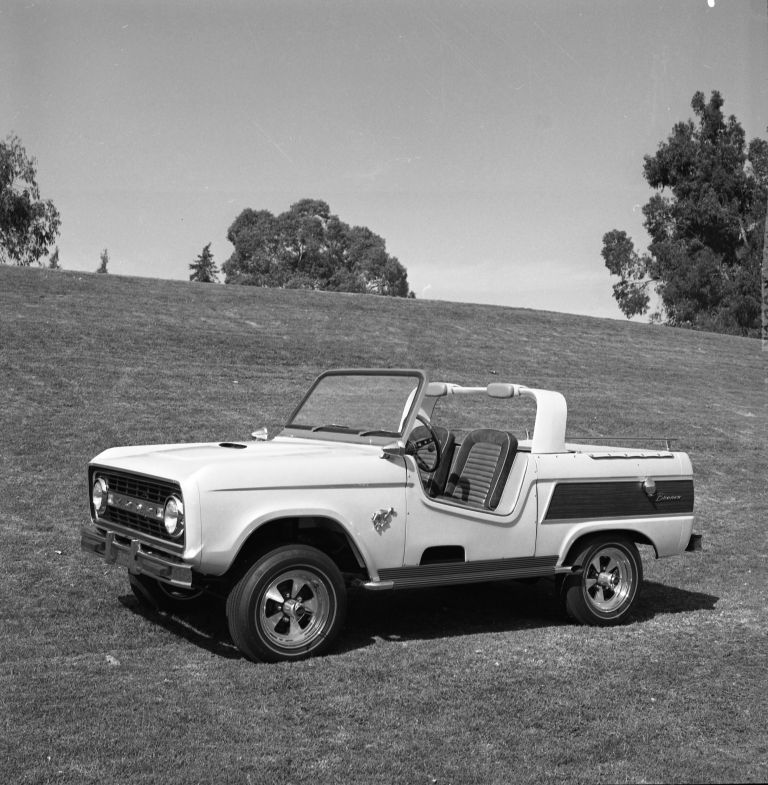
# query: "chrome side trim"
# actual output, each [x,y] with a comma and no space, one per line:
[612,456]
[326,487]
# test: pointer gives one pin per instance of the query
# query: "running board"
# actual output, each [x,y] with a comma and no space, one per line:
[447,573]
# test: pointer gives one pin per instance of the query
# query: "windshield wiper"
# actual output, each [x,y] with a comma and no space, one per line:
[334,428]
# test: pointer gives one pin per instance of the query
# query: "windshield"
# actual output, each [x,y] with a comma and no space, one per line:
[363,403]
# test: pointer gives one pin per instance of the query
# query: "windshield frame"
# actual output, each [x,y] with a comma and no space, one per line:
[305,432]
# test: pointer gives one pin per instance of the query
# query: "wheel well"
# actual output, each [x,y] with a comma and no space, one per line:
[633,536]
[325,534]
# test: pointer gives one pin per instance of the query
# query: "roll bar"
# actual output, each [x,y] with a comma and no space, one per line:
[551,409]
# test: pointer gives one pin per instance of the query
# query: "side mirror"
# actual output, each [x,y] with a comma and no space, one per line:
[394,450]
[261,435]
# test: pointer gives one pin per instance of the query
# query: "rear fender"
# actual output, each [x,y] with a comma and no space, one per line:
[577,539]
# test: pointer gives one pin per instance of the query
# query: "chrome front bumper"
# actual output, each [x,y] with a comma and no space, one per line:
[130,553]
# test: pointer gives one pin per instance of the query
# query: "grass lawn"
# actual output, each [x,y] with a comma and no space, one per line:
[484,684]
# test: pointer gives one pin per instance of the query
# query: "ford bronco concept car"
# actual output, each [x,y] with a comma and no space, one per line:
[384,480]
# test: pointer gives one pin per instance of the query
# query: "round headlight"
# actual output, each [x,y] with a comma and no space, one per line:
[99,495]
[173,516]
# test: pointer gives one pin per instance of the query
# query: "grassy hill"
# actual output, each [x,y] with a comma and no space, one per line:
[483,684]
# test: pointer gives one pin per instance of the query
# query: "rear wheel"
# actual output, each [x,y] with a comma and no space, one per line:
[605,582]
[289,605]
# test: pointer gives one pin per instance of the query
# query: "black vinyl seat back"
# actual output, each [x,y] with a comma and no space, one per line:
[434,482]
[481,468]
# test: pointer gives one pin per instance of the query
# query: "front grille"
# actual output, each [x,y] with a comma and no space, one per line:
[134,500]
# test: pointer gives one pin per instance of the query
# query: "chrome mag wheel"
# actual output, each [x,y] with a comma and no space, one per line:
[290,604]
[604,584]
[294,608]
[608,579]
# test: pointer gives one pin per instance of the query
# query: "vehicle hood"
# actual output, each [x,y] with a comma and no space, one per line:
[283,462]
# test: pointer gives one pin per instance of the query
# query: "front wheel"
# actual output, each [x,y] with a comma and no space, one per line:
[605,583]
[289,605]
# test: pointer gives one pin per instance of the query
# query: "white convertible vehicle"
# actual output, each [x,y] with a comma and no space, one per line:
[385,480]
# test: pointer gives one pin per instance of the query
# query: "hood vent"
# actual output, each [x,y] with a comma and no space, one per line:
[233,445]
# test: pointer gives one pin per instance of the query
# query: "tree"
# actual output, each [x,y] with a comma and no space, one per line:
[706,222]
[104,262]
[28,224]
[204,269]
[765,282]
[307,247]
[380,272]
[53,261]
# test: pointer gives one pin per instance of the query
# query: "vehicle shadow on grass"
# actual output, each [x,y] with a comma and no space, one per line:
[206,628]
[448,611]
[491,607]
[657,599]
[423,614]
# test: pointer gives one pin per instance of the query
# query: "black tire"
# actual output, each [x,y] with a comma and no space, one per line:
[290,605]
[157,595]
[605,584]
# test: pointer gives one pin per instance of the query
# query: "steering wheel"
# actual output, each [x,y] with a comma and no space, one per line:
[429,443]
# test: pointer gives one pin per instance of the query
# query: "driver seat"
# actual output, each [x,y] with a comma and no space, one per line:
[481,468]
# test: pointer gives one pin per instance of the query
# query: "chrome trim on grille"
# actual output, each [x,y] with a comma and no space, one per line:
[139,506]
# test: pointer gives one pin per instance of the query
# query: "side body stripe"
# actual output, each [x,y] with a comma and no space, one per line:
[616,499]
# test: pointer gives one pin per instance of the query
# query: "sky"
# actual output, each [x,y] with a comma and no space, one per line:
[491,143]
